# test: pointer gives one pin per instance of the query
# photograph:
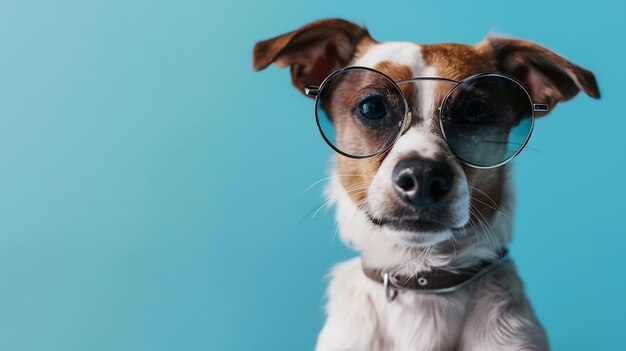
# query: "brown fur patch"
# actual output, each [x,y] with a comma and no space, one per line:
[397,72]
[456,61]
[488,199]
[357,174]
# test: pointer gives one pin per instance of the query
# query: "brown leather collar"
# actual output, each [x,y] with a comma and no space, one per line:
[436,280]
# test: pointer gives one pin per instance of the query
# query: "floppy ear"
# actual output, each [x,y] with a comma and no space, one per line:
[312,51]
[548,77]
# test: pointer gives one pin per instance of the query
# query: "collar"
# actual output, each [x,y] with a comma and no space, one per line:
[436,281]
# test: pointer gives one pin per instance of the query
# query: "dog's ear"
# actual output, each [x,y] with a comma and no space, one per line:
[549,77]
[312,51]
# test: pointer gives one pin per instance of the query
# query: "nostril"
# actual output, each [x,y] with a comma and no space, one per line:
[437,188]
[406,182]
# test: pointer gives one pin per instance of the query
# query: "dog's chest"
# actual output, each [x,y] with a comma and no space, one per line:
[424,322]
[364,318]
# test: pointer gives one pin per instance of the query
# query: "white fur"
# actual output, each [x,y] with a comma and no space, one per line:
[418,140]
[404,53]
[490,314]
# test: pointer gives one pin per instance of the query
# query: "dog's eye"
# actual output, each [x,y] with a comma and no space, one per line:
[476,110]
[372,107]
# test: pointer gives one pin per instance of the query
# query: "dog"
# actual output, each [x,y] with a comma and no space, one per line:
[430,224]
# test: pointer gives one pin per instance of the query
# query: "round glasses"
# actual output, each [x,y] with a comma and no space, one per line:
[486,119]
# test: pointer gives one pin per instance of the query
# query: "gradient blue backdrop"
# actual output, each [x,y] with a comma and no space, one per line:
[151,184]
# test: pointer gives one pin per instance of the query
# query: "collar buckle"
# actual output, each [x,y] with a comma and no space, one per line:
[390,293]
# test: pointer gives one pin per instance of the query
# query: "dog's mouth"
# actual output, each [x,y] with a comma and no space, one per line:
[409,224]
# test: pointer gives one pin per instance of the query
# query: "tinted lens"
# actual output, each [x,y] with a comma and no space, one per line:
[360,112]
[487,120]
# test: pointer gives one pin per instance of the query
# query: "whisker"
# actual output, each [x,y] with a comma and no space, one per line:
[335,176]
[489,233]
[312,212]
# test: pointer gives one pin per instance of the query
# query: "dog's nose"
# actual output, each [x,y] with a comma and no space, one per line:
[422,182]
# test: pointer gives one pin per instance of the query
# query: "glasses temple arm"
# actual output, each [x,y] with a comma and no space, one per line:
[311,90]
[541,107]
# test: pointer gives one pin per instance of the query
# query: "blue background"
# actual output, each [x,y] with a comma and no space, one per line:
[152,185]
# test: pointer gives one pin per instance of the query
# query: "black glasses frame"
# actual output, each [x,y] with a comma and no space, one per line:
[314,91]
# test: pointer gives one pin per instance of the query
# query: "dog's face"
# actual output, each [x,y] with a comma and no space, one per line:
[416,192]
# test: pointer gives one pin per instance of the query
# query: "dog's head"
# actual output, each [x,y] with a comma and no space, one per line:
[416,193]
